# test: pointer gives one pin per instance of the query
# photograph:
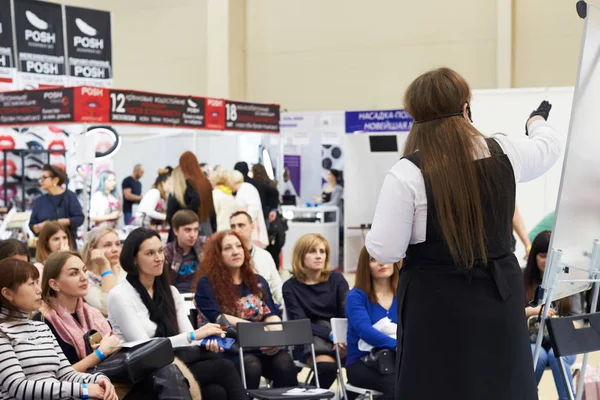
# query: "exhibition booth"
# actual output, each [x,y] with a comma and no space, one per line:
[85,129]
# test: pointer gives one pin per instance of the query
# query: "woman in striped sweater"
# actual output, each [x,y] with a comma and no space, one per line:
[32,365]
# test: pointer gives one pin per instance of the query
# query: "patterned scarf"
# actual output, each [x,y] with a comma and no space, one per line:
[70,330]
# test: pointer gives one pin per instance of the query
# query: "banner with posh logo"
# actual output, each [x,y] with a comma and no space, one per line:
[40,44]
[7,61]
[89,45]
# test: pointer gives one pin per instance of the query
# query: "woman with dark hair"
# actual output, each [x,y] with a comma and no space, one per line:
[372,313]
[447,209]
[230,289]
[58,204]
[192,172]
[15,249]
[53,237]
[333,191]
[33,366]
[145,305]
[270,194]
[569,306]
[153,207]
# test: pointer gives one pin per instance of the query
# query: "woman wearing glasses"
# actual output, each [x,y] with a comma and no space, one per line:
[58,204]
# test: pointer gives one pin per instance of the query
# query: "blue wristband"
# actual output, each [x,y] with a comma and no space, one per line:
[105,273]
[100,354]
[192,336]
[84,391]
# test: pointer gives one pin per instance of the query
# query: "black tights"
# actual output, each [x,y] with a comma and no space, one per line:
[278,368]
[327,374]
[218,379]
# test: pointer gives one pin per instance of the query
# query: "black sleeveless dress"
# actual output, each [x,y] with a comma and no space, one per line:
[462,334]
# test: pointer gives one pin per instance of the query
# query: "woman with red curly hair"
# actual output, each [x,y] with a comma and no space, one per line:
[229,288]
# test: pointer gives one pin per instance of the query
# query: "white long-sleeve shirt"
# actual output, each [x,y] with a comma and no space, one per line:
[130,319]
[225,206]
[264,265]
[401,212]
[147,207]
[248,197]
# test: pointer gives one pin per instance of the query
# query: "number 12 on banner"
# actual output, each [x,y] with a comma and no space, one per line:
[231,110]
[117,102]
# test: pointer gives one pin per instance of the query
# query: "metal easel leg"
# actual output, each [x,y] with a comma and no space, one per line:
[564,372]
[555,256]
[594,268]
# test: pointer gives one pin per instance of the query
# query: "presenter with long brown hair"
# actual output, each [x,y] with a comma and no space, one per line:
[446,208]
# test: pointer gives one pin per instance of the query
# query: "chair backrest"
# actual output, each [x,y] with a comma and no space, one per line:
[567,339]
[255,334]
[339,328]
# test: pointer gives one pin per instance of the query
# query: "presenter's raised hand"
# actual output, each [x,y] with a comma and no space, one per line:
[542,111]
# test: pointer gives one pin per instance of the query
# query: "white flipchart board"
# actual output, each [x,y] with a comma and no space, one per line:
[577,220]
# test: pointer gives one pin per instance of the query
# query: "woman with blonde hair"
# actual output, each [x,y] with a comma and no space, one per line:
[153,207]
[223,199]
[101,257]
[183,197]
[248,199]
[53,237]
[446,208]
[316,292]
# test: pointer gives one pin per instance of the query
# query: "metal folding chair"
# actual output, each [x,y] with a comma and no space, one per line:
[339,327]
[574,335]
[299,332]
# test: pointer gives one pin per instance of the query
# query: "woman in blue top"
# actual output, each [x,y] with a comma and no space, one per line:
[372,317]
[59,204]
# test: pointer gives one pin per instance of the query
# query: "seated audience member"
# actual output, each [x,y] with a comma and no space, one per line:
[15,249]
[105,207]
[371,310]
[223,199]
[64,286]
[152,210]
[182,257]
[532,277]
[101,257]
[182,197]
[319,294]
[33,365]
[262,262]
[146,306]
[53,237]
[231,289]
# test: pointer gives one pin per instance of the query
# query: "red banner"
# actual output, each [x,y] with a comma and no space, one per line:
[88,104]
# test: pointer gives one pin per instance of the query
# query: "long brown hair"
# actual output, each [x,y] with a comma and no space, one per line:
[532,275]
[364,281]
[42,250]
[220,278]
[447,144]
[259,173]
[191,170]
[52,270]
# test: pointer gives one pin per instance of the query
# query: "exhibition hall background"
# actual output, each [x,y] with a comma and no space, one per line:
[337,54]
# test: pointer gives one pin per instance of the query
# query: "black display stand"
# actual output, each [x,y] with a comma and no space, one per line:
[23,153]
